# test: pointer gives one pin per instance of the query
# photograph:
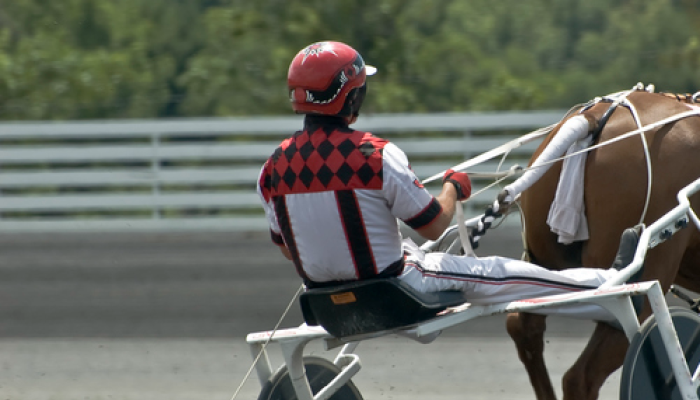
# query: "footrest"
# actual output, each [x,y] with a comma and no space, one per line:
[373,305]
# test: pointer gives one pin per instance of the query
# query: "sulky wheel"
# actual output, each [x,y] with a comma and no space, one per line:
[319,371]
[646,372]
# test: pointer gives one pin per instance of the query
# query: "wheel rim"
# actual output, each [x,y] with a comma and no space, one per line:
[647,372]
[319,372]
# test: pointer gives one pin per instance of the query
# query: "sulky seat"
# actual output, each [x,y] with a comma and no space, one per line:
[371,306]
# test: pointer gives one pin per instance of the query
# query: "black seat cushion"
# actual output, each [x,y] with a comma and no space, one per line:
[372,305]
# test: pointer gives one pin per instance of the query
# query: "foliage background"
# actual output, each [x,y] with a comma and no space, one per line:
[96,59]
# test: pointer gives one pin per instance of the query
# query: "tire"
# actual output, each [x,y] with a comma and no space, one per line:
[319,372]
[646,372]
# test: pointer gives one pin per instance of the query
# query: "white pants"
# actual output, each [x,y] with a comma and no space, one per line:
[489,280]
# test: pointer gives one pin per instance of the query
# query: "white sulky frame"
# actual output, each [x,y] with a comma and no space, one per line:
[613,296]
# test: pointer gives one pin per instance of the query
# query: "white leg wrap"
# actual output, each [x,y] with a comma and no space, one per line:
[572,130]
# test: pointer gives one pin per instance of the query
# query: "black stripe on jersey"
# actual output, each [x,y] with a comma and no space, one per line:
[426,216]
[276,238]
[356,234]
[287,234]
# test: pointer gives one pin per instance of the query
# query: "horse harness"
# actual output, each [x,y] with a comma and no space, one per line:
[615,100]
[620,98]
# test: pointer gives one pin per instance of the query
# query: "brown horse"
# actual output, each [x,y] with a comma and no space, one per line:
[615,187]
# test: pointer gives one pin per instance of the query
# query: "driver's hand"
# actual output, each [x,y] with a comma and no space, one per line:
[461,182]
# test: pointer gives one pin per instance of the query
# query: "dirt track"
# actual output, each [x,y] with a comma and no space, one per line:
[151,316]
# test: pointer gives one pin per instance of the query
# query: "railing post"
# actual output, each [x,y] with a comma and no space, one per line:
[155,170]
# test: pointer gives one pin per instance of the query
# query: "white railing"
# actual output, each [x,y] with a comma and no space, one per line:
[200,173]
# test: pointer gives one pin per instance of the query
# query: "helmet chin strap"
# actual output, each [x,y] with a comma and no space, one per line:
[351,109]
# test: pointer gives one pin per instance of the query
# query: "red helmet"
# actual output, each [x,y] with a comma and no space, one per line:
[322,75]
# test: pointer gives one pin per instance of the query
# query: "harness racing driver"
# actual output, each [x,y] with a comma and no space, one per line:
[334,196]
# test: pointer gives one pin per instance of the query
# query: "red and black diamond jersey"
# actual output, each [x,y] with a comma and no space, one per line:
[332,196]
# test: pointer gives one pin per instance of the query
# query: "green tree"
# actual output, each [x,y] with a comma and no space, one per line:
[79,59]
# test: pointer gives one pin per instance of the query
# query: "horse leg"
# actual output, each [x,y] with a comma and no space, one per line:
[603,354]
[527,332]
[605,351]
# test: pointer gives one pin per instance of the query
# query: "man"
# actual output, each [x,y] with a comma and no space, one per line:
[333,197]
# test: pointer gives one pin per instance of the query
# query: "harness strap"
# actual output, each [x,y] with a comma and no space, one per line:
[595,135]
[490,215]
[621,99]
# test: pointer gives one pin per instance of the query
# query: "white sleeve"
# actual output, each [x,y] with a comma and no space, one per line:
[406,196]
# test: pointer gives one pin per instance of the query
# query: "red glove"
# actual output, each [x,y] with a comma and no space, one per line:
[461,181]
